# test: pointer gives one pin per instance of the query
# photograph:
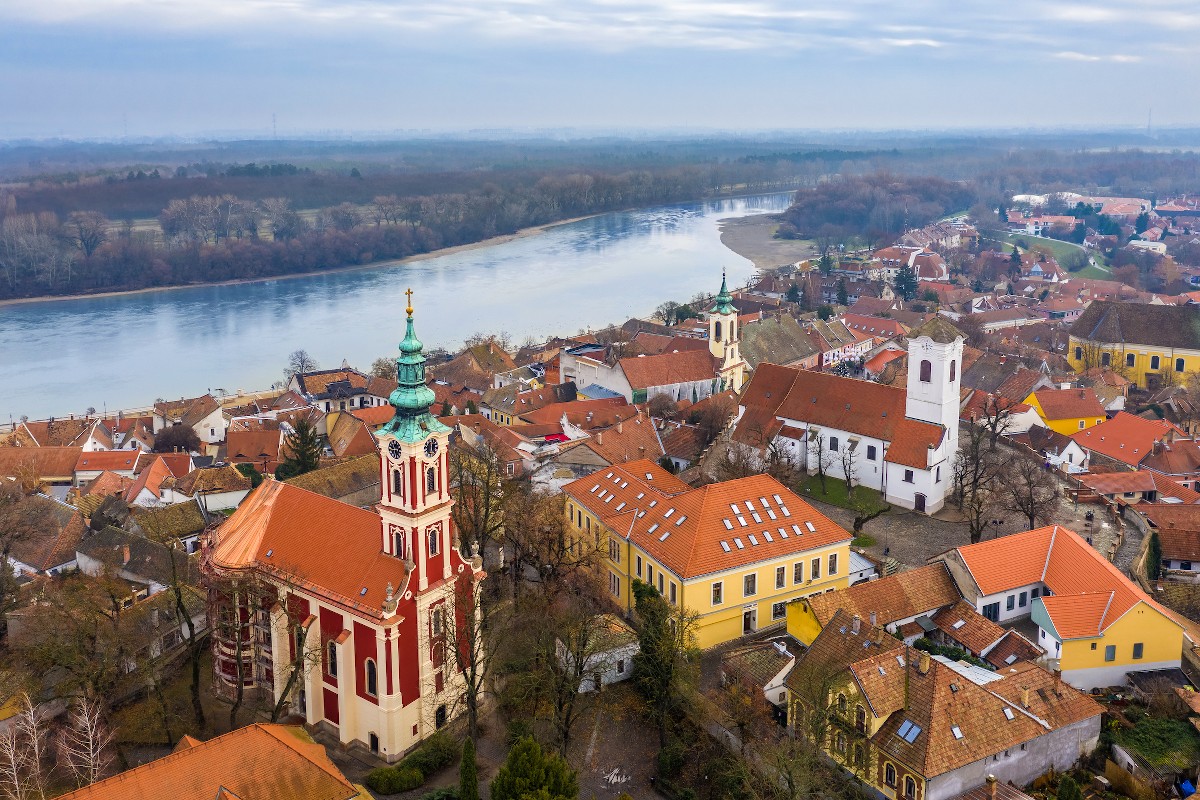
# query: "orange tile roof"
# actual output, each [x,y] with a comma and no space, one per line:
[150,478]
[881,359]
[258,762]
[48,462]
[688,530]
[350,436]
[112,460]
[906,594]
[1139,481]
[294,525]
[1089,592]
[1069,403]
[1126,437]
[53,543]
[107,483]
[1050,699]
[180,464]
[643,372]
[962,623]
[628,440]
[585,414]
[1012,646]
[375,416]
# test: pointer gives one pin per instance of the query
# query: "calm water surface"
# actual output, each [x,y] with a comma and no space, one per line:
[63,356]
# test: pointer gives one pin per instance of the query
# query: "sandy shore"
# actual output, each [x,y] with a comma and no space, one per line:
[752,238]
[445,251]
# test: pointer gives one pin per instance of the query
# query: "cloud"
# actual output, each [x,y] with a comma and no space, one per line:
[1116,58]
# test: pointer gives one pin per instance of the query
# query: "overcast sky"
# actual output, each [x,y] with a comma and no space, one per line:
[90,67]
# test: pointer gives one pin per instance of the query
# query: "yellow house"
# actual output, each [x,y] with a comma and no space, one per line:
[733,554]
[1094,624]
[1067,411]
[1150,345]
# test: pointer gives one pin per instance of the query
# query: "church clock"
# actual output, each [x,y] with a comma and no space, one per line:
[431,448]
[394,448]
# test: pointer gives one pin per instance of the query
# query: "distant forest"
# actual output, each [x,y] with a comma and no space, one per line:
[102,217]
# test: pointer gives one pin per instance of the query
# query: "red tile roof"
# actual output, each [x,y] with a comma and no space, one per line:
[111,460]
[962,623]
[685,366]
[47,462]
[1126,437]
[1069,404]
[688,530]
[906,594]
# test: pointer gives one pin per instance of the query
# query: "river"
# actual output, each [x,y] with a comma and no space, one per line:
[61,357]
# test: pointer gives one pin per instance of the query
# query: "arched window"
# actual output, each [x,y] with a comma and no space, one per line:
[430,480]
[926,371]
[841,704]
[397,483]
[839,742]
[1179,365]
[372,678]
[331,659]
[401,551]
[910,788]
[859,755]
[889,774]
[1105,359]
[953,370]
[717,331]
[860,719]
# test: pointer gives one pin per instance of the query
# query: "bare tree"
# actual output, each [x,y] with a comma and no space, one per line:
[88,230]
[480,487]
[995,417]
[1029,489]
[84,745]
[299,361]
[23,754]
[977,470]
[820,458]
[384,368]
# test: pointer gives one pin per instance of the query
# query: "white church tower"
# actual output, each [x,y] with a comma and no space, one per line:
[724,340]
[935,352]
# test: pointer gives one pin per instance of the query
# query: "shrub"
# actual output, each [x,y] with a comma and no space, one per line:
[437,753]
[444,793]
[671,759]
[518,729]
[393,780]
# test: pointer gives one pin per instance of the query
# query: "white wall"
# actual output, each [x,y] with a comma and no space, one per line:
[1018,610]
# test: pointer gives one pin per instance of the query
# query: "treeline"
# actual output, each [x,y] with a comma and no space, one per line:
[204,239]
[875,208]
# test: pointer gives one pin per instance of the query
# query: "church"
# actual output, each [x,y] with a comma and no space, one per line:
[899,441]
[347,616]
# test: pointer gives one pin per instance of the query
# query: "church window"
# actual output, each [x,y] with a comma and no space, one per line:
[436,621]
[401,550]
[372,678]
[1129,359]
[331,659]
[717,331]
[1105,359]
[926,371]
[398,483]
[1179,365]
[430,480]
[1154,362]
[953,370]
[434,541]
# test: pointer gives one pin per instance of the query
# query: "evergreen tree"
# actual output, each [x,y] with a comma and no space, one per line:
[1153,557]
[905,282]
[445,409]
[1142,223]
[468,775]
[793,294]
[471,407]
[842,295]
[303,445]
[530,772]
[1015,256]
[1068,789]
[825,264]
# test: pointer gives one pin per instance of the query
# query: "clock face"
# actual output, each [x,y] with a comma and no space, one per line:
[431,448]
[394,448]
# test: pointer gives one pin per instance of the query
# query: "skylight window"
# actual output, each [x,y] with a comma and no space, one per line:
[725,546]
[753,539]
[749,505]
[909,731]
[783,508]
[681,520]
[594,488]
[670,511]
[1011,659]
[797,531]
[622,505]
[624,484]
[1008,713]
[653,528]
[777,500]
[756,518]
[764,502]
[664,536]
[956,731]
[881,672]
[653,503]
[904,729]
[811,528]
[737,541]
[782,533]
[735,508]
[959,624]
[363,592]
[270,552]
[767,536]
[649,477]
[741,521]
[771,513]
[609,475]
[728,524]
[640,495]
[900,660]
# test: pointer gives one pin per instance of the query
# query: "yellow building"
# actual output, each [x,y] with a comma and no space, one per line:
[1150,345]
[1094,624]
[1067,411]
[734,554]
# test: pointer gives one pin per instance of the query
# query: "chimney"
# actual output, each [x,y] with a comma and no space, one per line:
[1003,358]
[877,636]
[874,619]
[856,624]
[991,787]
[641,451]
[923,664]
[599,437]
[619,424]
[124,554]
[1025,697]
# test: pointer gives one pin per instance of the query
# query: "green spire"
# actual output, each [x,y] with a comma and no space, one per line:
[412,423]
[724,299]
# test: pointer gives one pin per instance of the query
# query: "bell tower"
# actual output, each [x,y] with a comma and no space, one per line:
[723,339]
[415,501]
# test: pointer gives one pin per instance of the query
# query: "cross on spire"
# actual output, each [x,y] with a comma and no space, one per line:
[409,310]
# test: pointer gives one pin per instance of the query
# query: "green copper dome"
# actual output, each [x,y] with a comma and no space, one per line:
[724,300]
[412,398]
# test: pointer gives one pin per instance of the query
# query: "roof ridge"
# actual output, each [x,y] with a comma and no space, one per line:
[1049,552]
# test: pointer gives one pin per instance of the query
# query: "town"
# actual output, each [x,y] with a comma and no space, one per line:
[918,521]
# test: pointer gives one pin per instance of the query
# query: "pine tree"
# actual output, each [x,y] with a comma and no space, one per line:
[529,771]
[445,409]
[843,297]
[1153,557]
[303,445]
[468,775]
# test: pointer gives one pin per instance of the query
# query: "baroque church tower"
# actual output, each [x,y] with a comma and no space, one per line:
[724,340]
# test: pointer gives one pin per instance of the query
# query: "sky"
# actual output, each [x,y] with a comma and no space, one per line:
[107,68]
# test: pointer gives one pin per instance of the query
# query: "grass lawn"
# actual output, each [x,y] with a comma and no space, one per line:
[1060,250]
[835,493]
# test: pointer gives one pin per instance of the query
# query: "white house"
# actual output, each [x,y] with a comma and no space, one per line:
[609,658]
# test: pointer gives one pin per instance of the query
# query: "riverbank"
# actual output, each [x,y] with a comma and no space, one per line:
[753,238]
[445,251]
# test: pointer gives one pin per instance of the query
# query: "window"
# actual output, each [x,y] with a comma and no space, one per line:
[1010,602]
[718,589]
[1110,652]
[841,704]
[621,666]
[750,585]
[926,371]
[372,678]
[401,550]
[859,756]
[1078,353]
[992,611]
[1137,650]
[331,659]
[1129,358]
[614,551]
[397,483]
[437,620]
[430,480]
[910,788]
[1034,592]
[1082,424]
[778,610]
[798,572]
[614,584]
[650,574]
[814,569]
[889,775]
[871,453]
[908,476]
[953,370]
[1093,645]
[833,565]
[1022,599]
[639,566]
[434,542]
[860,719]
[833,444]
[780,577]
[660,583]
[1179,365]
[1105,359]
[1154,362]
[839,742]
[672,592]
[937,475]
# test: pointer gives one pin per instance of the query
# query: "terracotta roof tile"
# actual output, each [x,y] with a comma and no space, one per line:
[962,623]
[1069,403]
[688,530]
[53,543]
[1143,324]
[682,367]
[258,762]
[1012,649]
[906,594]
[1126,437]
[48,462]
[113,460]
[341,480]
